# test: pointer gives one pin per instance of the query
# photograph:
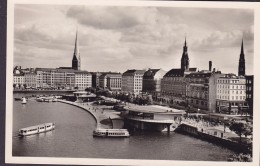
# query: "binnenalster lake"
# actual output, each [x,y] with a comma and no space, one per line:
[72,137]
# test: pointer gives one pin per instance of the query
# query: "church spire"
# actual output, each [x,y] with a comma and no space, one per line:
[241,66]
[76,55]
[185,57]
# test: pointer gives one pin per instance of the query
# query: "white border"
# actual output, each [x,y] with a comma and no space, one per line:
[89,161]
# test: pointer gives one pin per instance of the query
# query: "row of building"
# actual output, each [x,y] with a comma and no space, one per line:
[202,90]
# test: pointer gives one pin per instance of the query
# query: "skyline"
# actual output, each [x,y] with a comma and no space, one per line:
[121,38]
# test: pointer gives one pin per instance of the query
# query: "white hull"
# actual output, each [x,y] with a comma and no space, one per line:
[36,129]
[111,133]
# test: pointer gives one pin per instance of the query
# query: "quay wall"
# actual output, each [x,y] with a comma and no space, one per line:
[213,138]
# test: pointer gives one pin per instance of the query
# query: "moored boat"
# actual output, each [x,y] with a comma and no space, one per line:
[37,129]
[111,133]
[24,100]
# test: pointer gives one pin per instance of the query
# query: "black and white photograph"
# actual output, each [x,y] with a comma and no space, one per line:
[132,83]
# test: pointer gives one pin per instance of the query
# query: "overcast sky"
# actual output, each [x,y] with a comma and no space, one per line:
[121,38]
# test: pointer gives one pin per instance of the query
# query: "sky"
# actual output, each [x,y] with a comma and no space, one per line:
[119,38]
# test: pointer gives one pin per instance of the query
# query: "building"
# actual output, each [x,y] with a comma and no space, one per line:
[114,81]
[76,62]
[95,79]
[103,80]
[62,78]
[250,92]
[152,81]
[132,81]
[201,90]
[231,94]
[83,80]
[173,85]
[241,66]
[18,77]
[30,79]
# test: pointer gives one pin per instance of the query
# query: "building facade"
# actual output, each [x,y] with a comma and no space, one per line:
[30,79]
[231,94]
[250,92]
[114,81]
[173,86]
[132,81]
[201,90]
[152,81]
[83,80]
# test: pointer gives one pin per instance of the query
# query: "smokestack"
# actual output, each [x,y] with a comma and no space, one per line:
[210,65]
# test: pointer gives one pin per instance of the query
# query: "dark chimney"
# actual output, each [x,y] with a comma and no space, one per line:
[210,65]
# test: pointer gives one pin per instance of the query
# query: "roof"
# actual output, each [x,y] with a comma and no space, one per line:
[154,109]
[151,72]
[132,72]
[175,73]
[198,75]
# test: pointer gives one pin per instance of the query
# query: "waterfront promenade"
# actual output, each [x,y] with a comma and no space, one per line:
[102,115]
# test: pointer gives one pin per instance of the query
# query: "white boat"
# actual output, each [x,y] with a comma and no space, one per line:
[111,133]
[36,129]
[24,100]
[39,99]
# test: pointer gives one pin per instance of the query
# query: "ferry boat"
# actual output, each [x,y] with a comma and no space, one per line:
[24,100]
[36,129]
[111,133]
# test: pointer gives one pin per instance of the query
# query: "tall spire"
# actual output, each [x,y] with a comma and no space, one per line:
[241,65]
[76,55]
[185,57]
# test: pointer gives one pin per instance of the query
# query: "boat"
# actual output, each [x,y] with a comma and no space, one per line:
[111,132]
[17,99]
[39,99]
[37,129]
[24,100]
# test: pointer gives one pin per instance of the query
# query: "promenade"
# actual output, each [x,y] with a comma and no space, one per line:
[102,114]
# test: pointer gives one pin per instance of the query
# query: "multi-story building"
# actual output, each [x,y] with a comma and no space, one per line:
[250,92]
[231,94]
[114,81]
[152,81]
[132,81]
[173,83]
[95,79]
[174,86]
[18,77]
[201,90]
[30,79]
[83,80]
[103,80]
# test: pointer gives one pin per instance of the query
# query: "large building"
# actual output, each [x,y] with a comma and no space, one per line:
[114,81]
[152,81]
[95,79]
[76,62]
[132,81]
[231,94]
[30,79]
[83,80]
[201,90]
[18,77]
[173,86]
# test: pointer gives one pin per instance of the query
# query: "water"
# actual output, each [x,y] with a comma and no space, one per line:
[72,137]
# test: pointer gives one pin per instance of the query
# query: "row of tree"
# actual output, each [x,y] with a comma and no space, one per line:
[123,96]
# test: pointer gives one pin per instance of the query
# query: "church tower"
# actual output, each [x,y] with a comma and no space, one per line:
[185,57]
[76,56]
[241,66]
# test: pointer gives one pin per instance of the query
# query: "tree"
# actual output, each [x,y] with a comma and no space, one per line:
[150,100]
[241,129]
